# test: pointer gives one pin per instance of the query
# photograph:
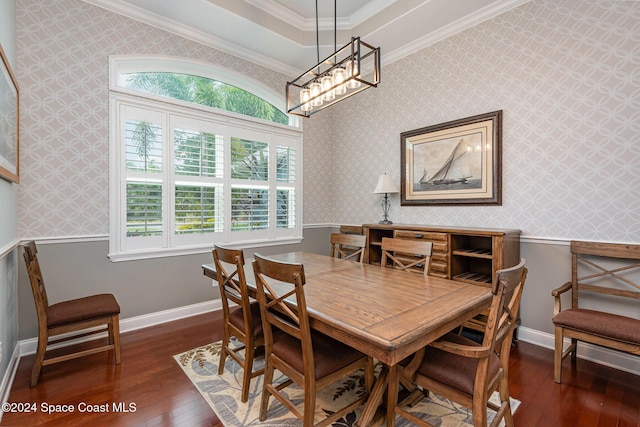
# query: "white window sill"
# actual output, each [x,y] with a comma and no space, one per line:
[192,250]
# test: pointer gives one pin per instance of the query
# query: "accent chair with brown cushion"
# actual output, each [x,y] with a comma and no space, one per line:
[599,272]
[242,321]
[74,318]
[308,358]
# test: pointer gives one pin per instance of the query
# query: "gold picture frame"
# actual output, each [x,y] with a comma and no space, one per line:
[9,123]
[453,163]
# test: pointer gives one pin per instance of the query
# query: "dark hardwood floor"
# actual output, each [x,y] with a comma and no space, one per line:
[151,380]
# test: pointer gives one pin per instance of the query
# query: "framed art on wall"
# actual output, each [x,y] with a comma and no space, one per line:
[9,140]
[453,163]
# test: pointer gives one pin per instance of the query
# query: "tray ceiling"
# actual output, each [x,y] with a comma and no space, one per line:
[281,34]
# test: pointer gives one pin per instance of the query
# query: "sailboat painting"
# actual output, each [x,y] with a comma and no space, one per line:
[452,163]
[461,169]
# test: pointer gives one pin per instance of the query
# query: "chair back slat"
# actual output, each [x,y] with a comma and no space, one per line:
[35,277]
[507,292]
[417,254]
[232,283]
[277,282]
[348,246]
[590,274]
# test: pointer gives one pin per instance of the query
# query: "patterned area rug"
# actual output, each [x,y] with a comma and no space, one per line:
[223,395]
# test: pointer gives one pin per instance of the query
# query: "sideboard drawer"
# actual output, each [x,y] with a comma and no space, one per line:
[439,240]
[427,235]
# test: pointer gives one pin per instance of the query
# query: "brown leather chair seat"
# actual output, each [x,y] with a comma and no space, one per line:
[600,323]
[80,309]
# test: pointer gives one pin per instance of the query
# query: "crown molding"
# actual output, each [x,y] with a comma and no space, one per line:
[456,27]
[123,8]
[371,9]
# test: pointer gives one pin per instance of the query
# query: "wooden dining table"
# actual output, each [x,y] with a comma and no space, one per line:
[385,313]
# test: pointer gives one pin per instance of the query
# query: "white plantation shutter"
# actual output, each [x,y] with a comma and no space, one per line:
[249,208]
[143,187]
[198,172]
[186,180]
[285,194]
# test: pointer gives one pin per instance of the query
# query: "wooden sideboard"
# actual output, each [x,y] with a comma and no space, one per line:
[470,255]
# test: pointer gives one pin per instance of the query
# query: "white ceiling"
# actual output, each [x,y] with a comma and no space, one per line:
[281,34]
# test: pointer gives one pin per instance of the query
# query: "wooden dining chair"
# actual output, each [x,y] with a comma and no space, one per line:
[242,321]
[307,358]
[468,372]
[406,254]
[348,246]
[75,318]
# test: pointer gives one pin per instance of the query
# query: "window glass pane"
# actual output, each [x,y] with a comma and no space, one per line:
[143,145]
[198,209]
[205,91]
[198,153]
[144,209]
[249,159]
[249,209]
[286,211]
[286,164]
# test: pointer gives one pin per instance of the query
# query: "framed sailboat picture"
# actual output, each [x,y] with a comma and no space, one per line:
[8,121]
[458,162]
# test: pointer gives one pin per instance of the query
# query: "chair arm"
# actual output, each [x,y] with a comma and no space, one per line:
[472,351]
[557,306]
[410,370]
[562,289]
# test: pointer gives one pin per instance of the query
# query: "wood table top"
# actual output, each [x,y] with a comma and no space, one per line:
[388,314]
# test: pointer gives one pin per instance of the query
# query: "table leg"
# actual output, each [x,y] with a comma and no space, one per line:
[392,395]
[374,400]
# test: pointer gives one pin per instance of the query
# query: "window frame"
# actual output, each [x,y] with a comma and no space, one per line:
[279,135]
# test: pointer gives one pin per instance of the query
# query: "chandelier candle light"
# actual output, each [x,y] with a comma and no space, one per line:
[349,70]
[385,186]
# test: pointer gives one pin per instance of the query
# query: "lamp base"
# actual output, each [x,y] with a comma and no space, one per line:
[385,221]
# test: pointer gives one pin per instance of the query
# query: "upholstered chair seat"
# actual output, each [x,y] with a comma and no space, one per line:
[80,309]
[600,323]
[329,355]
[236,318]
[459,371]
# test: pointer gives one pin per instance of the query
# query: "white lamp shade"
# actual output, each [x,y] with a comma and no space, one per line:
[385,185]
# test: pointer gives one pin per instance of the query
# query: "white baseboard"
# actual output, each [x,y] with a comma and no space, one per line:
[604,356]
[10,373]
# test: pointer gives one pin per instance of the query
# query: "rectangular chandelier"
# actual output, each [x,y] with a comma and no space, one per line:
[351,69]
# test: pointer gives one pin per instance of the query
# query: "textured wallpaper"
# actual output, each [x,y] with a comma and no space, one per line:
[63,51]
[566,75]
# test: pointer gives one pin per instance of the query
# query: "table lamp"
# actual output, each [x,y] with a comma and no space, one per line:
[385,186]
